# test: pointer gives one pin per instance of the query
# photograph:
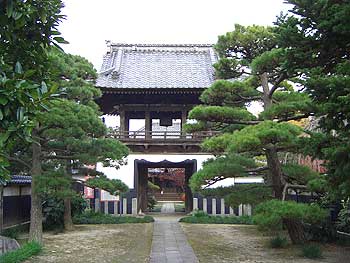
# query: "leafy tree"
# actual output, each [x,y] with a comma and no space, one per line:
[317,36]
[72,133]
[27,30]
[251,145]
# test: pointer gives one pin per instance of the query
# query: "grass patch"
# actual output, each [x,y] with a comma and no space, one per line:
[99,218]
[278,242]
[311,251]
[21,254]
[208,219]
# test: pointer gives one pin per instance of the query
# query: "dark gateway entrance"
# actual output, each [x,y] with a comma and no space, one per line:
[141,179]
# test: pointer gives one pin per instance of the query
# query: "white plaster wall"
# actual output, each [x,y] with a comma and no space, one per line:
[16,190]
[11,191]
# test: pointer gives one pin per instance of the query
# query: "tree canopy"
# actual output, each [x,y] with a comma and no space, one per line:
[316,34]
[251,145]
[27,30]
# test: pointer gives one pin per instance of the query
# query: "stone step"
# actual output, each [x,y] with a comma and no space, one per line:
[168,197]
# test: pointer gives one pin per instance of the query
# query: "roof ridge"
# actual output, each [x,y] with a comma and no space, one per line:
[110,43]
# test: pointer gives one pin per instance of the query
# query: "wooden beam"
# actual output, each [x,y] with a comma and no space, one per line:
[154,107]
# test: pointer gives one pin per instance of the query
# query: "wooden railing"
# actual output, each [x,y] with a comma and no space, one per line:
[161,135]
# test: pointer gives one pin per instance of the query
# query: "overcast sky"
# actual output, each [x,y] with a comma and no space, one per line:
[89,22]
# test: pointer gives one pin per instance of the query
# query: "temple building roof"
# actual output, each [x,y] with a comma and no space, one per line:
[147,66]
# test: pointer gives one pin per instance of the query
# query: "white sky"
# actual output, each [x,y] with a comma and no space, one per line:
[89,22]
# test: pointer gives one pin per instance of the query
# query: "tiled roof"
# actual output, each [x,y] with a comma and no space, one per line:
[20,179]
[17,179]
[157,66]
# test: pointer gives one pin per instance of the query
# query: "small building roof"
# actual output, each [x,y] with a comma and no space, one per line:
[142,66]
[17,179]
[20,179]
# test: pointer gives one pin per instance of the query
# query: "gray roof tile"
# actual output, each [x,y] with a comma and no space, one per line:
[157,66]
[20,179]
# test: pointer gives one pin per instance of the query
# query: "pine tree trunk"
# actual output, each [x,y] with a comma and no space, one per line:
[295,230]
[275,178]
[275,170]
[36,216]
[67,218]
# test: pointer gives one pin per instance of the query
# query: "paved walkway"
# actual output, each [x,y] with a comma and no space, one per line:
[169,243]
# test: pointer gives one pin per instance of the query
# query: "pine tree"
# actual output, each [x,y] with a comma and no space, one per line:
[252,60]
[72,132]
[317,36]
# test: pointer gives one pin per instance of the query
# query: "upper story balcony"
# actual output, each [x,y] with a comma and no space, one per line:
[162,141]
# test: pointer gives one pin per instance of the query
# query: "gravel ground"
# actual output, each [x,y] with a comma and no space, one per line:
[242,243]
[98,243]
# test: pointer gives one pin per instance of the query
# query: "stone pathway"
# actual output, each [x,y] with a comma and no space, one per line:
[169,243]
[168,208]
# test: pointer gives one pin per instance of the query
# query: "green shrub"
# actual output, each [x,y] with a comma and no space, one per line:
[179,207]
[91,217]
[21,254]
[278,242]
[322,232]
[200,218]
[11,233]
[151,202]
[343,222]
[15,231]
[312,251]
[53,211]
[199,213]
[270,215]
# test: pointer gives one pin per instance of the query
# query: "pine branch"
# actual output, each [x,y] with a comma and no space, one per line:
[295,118]
[14,159]
[217,179]
[61,157]
[257,170]
[213,181]
[281,78]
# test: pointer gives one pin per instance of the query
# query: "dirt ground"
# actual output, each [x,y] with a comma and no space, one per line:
[98,243]
[241,243]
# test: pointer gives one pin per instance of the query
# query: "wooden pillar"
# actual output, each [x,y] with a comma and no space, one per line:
[127,125]
[148,124]
[122,123]
[183,121]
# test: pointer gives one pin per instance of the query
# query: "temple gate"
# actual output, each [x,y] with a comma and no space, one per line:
[158,84]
